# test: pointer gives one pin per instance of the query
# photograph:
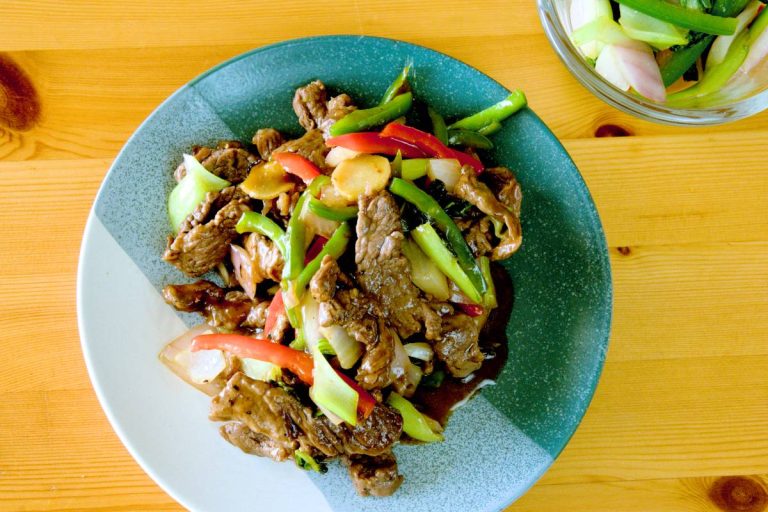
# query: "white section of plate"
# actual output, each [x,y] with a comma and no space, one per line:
[123,324]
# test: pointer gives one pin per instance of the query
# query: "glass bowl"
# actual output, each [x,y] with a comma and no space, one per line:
[736,100]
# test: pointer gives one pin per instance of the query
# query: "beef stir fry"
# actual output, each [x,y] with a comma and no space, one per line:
[349,278]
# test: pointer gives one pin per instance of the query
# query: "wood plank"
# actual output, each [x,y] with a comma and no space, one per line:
[678,495]
[90,114]
[85,24]
[680,418]
[675,190]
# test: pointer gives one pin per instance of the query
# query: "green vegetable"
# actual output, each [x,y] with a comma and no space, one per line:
[430,242]
[682,60]
[335,247]
[433,380]
[438,125]
[317,185]
[414,168]
[657,33]
[397,164]
[489,300]
[490,129]
[325,347]
[191,191]
[728,8]
[424,272]
[716,77]
[360,120]
[305,461]
[495,113]
[427,205]
[468,138]
[296,235]
[759,25]
[399,86]
[338,214]
[696,5]
[348,350]
[682,17]
[252,221]
[261,370]
[415,423]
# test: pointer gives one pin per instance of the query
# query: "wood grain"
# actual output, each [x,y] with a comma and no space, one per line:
[682,401]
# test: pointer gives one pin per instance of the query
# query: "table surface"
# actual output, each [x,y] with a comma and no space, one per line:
[680,418]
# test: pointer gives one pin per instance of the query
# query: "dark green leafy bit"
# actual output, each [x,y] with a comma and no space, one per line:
[306,462]
[434,379]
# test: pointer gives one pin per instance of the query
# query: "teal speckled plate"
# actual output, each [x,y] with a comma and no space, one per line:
[496,446]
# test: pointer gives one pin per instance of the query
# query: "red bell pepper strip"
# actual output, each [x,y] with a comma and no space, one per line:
[471,309]
[314,249]
[298,165]
[296,361]
[373,142]
[365,401]
[275,309]
[429,144]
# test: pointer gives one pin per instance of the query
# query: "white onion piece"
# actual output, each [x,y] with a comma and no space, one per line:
[586,11]
[348,350]
[204,365]
[482,384]
[403,367]
[720,46]
[421,351]
[446,170]
[632,64]
[173,356]
[338,154]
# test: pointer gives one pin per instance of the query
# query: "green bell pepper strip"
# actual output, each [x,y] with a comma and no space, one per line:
[414,168]
[495,113]
[490,129]
[430,242]
[296,236]
[317,184]
[489,300]
[360,120]
[438,125]
[429,207]
[728,8]
[414,423]
[716,77]
[468,138]
[335,247]
[326,212]
[397,164]
[252,221]
[682,17]
[682,60]
[399,86]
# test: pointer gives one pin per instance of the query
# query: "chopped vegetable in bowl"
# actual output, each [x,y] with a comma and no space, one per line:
[680,53]
[355,272]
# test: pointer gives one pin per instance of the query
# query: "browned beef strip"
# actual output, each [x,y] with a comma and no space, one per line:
[272,412]
[315,111]
[458,346]
[266,141]
[311,146]
[383,271]
[472,190]
[254,443]
[226,310]
[479,236]
[204,237]
[229,160]
[257,261]
[504,185]
[374,476]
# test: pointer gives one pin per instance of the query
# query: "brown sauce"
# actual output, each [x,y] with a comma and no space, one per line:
[437,402]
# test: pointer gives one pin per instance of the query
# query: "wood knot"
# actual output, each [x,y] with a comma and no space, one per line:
[624,250]
[739,494]
[19,102]
[611,130]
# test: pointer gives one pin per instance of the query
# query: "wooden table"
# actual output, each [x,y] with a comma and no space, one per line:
[680,418]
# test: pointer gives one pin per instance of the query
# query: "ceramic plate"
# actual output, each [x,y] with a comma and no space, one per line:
[496,446]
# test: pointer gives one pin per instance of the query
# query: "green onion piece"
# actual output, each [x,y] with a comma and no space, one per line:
[191,191]
[433,380]
[728,8]
[682,17]
[489,300]
[429,207]
[335,247]
[414,423]
[682,60]
[360,120]
[296,236]
[326,212]
[399,86]
[495,113]
[759,25]
[261,370]
[438,125]
[397,164]
[252,221]
[490,129]
[299,343]
[716,77]
[414,168]
[324,346]
[468,138]
[430,242]
[306,462]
